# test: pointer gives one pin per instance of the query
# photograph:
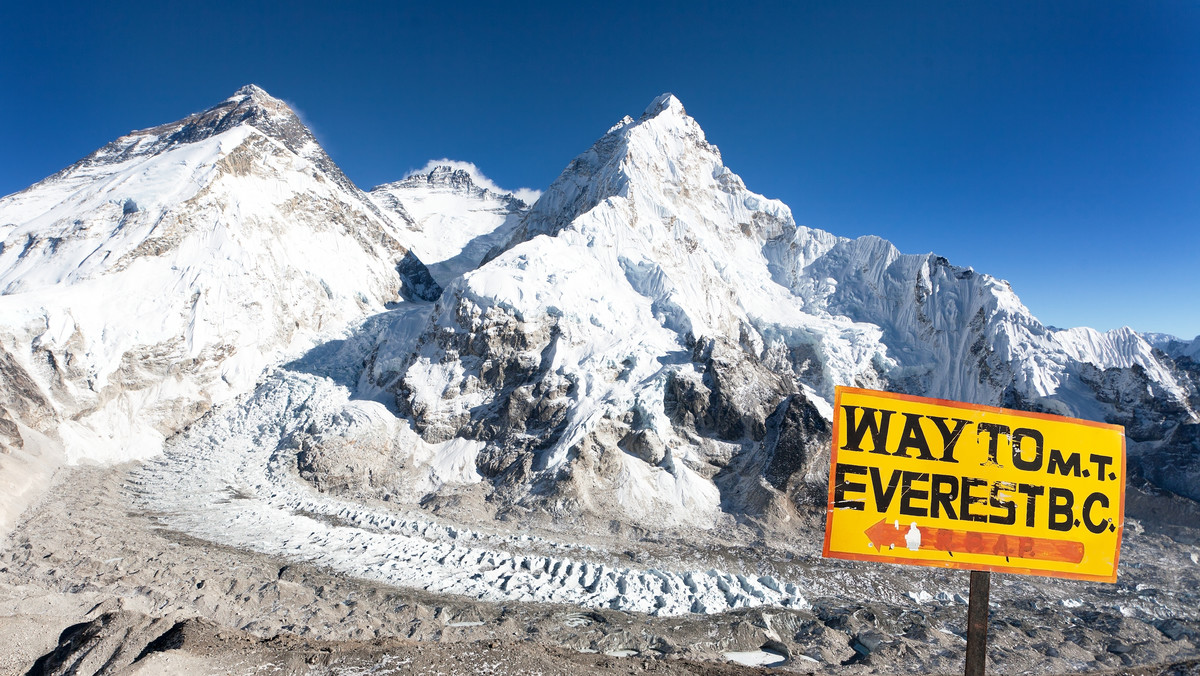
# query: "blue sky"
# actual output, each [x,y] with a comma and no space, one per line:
[1052,144]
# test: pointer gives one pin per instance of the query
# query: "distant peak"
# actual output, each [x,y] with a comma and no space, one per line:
[251,103]
[459,176]
[664,103]
[252,94]
[444,175]
[445,169]
[252,90]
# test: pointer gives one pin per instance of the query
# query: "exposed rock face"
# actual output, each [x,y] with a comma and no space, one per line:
[730,399]
[353,463]
[109,644]
[800,459]
[20,399]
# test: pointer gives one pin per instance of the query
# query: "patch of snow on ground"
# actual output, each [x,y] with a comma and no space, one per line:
[756,658]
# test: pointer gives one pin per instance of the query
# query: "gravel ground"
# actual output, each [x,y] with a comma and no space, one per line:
[88,585]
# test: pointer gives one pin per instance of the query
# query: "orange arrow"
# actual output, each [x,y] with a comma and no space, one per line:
[971,542]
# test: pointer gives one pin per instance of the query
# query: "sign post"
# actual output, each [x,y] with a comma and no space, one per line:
[977,617]
[931,482]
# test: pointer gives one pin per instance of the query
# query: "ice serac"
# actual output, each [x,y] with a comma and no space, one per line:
[162,273]
[656,343]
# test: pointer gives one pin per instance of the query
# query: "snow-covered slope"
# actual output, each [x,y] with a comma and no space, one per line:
[1174,346]
[456,215]
[954,333]
[162,273]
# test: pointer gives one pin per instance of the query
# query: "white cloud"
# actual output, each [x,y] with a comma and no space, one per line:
[527,195]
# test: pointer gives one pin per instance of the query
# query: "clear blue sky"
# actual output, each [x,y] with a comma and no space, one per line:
[1053,144]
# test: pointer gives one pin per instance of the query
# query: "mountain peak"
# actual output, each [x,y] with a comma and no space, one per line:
[667,102]
[461,177]
[254,98]
[445,170]
[250,106]
[664,152]
[446,176]
[252,90]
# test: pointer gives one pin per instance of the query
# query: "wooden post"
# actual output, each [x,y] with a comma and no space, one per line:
[977,619]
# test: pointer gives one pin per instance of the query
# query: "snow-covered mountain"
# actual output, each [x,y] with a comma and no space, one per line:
[456,215]
[159,275]
[1175,347]
[656,342]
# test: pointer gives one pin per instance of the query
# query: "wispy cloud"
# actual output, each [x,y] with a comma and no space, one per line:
[304,120]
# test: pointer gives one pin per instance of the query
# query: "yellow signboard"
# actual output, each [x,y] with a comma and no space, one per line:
[931,482]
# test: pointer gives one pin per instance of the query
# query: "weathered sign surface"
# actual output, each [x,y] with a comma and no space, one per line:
[931,482]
